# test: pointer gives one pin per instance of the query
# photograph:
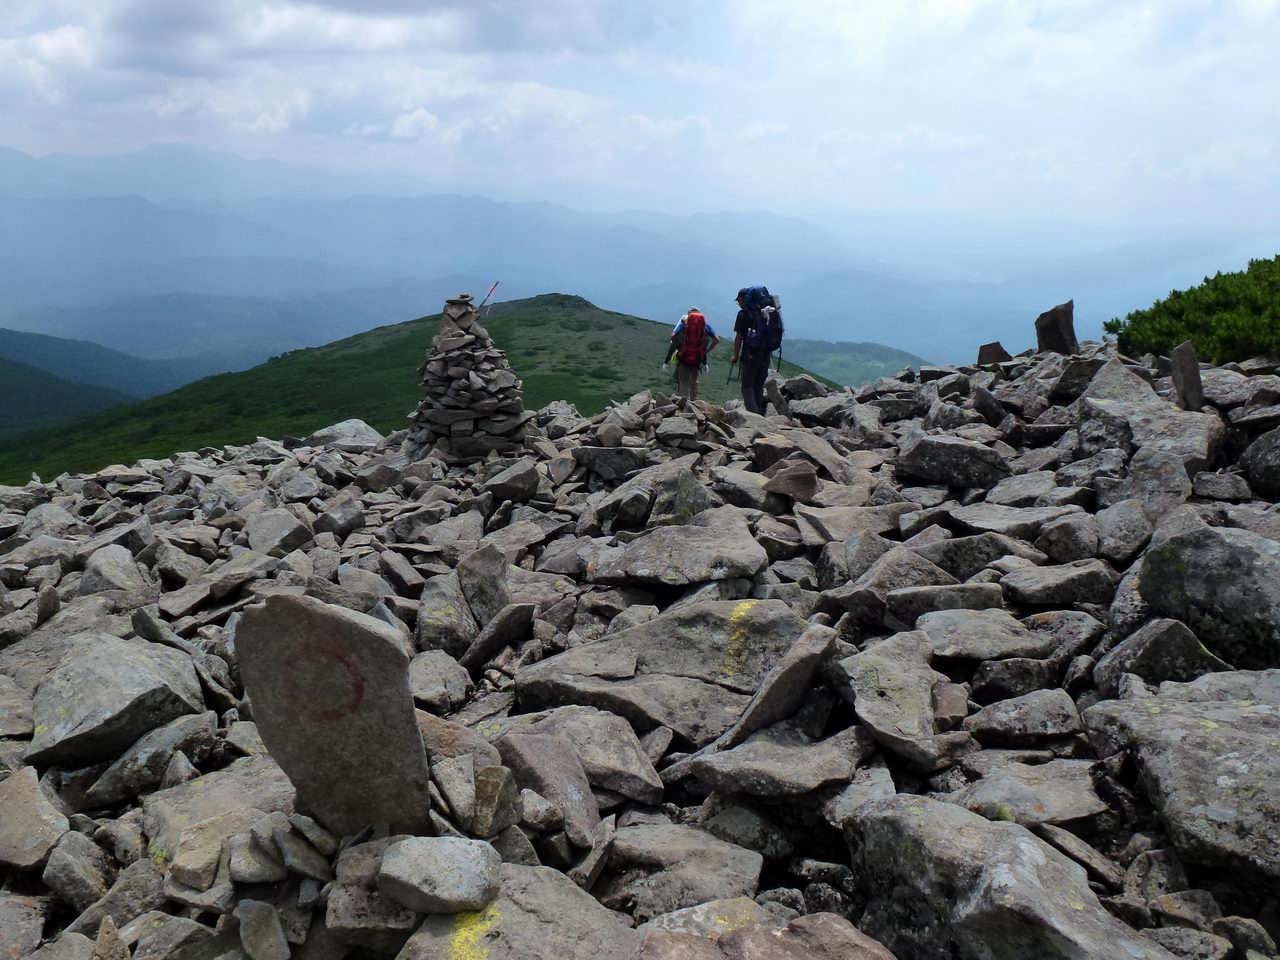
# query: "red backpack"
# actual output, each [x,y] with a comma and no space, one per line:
[693,346]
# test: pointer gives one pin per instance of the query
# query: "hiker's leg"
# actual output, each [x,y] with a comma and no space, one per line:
[761,375]
[755,368]
[686,381]
[745,372]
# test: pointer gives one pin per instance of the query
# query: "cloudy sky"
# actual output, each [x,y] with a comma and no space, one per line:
[1140,111]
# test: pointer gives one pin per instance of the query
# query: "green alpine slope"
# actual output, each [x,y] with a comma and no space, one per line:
[33,398]
[562,347]
[849,363]
[82,361]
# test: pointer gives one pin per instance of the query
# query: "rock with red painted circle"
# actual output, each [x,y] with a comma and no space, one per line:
[330,694]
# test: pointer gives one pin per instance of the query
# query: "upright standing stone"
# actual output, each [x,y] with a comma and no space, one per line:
[31,825]
[1186,376]
[993,352]
[1056,330]
[1261,463]
[330,695]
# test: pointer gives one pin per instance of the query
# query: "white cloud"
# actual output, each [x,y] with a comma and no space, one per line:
[1083,107]
[415,125]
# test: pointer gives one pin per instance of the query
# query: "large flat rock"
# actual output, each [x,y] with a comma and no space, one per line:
[250,782]
[104,695]
[657,868]
[1208,765]
[1118,392]
[540,914]
[945,882]
[607,746]
[781,762]
[696,711]
[681,555]
[982,635]
[816,936]
[1020,523]
[952,461]
[444,619]
[692,668]
[891,687]
[819,525]
[1225,585]
[22,920]
[1057,792]
[28,661]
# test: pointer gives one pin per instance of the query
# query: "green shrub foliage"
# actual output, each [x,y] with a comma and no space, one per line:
[1231,316]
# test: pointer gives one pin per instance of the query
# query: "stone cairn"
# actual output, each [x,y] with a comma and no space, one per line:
[473,403]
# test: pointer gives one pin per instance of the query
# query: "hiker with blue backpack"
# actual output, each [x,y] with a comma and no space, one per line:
[691,342]
[757,334]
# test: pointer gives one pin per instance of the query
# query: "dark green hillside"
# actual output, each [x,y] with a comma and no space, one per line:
[849,363]
[1230,316]
[563,347]
[84,362]
[32,398]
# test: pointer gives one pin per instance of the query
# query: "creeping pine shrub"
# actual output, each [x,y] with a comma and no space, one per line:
[1230,316]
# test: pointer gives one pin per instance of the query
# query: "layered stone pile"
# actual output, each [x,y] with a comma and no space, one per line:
[978,663]
[473,405]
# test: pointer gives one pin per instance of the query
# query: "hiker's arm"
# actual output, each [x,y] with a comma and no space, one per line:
[671,349]
[737,347]
[715,342]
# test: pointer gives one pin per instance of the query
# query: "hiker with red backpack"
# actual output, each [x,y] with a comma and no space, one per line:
[757,333]
[691,342]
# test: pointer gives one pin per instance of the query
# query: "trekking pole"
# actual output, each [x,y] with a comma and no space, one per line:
[487,296]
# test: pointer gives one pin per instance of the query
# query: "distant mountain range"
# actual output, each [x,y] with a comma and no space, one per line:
[125,277]
[205,334]
[77,231]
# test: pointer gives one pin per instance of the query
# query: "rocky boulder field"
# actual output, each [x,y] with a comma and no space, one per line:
[977,664]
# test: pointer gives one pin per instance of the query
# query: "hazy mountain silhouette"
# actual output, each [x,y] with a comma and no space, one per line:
[175,221]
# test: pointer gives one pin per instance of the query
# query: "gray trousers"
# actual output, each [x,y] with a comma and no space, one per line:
[686,381]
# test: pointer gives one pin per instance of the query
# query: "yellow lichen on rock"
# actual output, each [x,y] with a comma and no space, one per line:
[470,930]
[736,639]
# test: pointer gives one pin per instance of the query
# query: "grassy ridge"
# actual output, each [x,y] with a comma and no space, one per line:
[851,363]
[31,397]
[562,347]
[82,361]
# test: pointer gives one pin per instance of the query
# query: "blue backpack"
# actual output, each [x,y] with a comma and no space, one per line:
[765,328]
